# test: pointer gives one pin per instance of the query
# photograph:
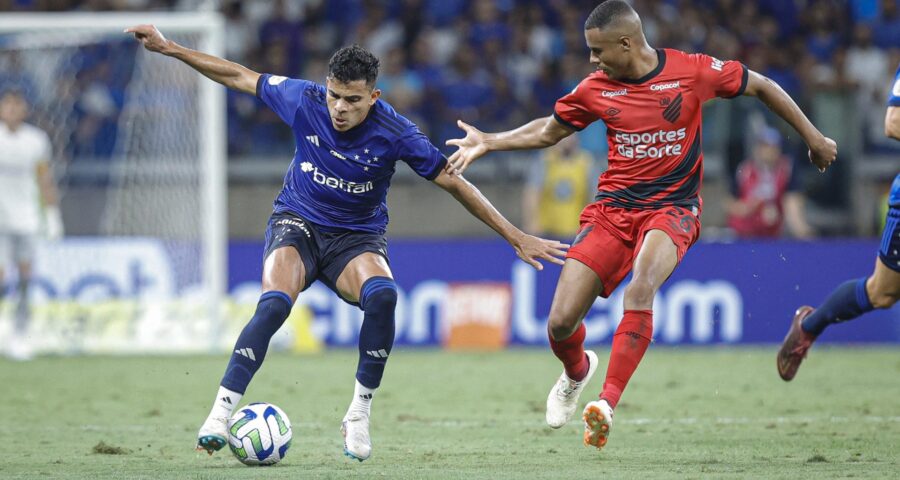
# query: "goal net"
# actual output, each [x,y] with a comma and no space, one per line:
[138,153]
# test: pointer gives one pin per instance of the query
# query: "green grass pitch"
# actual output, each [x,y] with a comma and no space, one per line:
[688,413]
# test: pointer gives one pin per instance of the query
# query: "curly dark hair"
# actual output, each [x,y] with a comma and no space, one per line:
[353,63]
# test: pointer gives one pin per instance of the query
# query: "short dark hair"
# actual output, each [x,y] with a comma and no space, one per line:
[353,63]
[606,13]
[12,92]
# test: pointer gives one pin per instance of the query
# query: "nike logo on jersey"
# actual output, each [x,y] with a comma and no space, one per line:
[313,139]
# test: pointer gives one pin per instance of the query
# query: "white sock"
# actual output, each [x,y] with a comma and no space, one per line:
[362,400]
[225,403]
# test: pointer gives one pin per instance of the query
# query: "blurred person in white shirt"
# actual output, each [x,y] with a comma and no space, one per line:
[28,207]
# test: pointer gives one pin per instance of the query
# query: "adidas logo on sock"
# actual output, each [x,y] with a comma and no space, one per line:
[247,352]
[377,353]
[226,400]
[366,396]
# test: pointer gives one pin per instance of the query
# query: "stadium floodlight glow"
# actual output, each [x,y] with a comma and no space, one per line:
[165,178]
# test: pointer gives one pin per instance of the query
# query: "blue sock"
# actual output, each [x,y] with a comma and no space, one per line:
[250,349]
[846,302]
[377,298]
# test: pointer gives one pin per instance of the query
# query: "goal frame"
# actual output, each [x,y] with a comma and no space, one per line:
[211,27]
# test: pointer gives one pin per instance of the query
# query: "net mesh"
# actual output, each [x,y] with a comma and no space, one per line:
[126,128]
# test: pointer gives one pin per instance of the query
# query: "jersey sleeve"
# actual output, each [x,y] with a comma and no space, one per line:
[894,98]
[717,78]
[573,110]
[421,155]
[283,95]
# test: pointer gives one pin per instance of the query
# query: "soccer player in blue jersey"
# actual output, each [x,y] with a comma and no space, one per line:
[332,214]
[853,298]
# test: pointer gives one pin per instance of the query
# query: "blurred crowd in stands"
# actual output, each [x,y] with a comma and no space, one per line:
[497,64]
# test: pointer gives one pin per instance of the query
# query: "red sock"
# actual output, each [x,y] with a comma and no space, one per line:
[629,344]
[571,353]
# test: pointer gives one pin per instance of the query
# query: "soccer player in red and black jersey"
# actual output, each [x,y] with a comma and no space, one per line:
[647,209]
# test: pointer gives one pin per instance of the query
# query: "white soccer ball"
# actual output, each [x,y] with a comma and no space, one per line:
[259,434]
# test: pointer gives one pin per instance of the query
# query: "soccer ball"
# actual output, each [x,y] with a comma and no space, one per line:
[259,434]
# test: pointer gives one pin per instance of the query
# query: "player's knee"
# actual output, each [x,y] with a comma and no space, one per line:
[379,296]
[381,300]
[639,294]
[271,312]
[561,327]
[884,299]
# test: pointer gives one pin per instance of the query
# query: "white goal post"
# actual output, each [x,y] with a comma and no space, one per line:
[163,184]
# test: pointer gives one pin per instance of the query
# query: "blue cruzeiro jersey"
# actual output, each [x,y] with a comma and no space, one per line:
[339,180]
[894,98]
[894,101]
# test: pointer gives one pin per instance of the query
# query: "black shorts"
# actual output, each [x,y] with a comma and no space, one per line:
[889,250]
[325,254]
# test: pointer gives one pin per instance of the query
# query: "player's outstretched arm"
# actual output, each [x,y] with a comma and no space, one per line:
[230,74]
[539,133]
[528,248]
[892,123]
[822,150]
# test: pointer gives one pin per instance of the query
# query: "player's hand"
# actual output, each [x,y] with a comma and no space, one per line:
[530,248]
[151,38]
[823,153]
[53,224]
[469,148]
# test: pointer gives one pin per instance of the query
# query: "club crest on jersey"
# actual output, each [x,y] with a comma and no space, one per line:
[673,109]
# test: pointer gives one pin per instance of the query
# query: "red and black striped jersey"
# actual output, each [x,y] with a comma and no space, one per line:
[653,127]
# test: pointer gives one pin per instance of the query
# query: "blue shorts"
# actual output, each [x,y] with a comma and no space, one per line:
[889,251]
[325,254]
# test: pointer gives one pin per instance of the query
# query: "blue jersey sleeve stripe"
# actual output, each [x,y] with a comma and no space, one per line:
[894,102]
[313,95]
[437,169]
[378,120]
[387,119]
[259,85]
